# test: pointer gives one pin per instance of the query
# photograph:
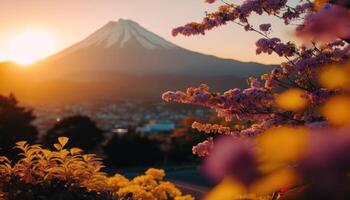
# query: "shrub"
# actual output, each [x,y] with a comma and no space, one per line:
[15,125]
[81,130]
[129,150]
[70,174]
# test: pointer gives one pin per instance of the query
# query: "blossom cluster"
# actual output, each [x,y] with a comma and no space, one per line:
[316,25]
[75,170]
[233,104]
[258,105]
[240,13]
[212,128]
[270,45]
[202,149]
[296,117]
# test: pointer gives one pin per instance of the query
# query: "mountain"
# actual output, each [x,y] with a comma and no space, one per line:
[123,60]
[124,46]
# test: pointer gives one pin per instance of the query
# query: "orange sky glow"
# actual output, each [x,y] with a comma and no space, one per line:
[63,23]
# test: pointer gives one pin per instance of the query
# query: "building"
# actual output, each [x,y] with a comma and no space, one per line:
[156,127]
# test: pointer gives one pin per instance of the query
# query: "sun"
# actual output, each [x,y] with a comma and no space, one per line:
[31,45]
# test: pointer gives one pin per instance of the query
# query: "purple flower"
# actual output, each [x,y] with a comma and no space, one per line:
[254,82]
[203,149]
[265,27]
[210,1]
[232,158]
[330,23]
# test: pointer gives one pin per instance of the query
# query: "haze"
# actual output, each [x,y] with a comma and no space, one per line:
[71,21]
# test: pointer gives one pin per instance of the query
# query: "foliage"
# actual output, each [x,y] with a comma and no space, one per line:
[70,174]
[129,150]
[15,124]
[295,118]
[182,141]
[81,130]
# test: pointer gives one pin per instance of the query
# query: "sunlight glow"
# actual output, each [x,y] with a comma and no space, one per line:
[30,46]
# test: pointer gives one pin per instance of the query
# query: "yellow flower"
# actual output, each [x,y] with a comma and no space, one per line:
[283,178]
[291,100]
[228,189]
[146,181]
[335,77]
[337,110]
[169,188]
[282,144]
[118,181]
[135,192]
[157,174]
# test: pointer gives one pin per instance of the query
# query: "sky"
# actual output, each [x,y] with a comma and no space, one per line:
[69,21]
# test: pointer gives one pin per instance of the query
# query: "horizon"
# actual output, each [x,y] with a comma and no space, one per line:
[75,26]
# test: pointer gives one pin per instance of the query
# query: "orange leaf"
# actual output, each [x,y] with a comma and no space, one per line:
[63,140]
[58,146]
[21,143]
[75,151]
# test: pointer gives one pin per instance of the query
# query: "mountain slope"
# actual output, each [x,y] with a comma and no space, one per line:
[126,47]
[122,60]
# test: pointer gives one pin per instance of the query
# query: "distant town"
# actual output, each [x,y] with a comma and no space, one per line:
[118,118]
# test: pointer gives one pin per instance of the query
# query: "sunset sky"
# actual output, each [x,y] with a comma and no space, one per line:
[61,23]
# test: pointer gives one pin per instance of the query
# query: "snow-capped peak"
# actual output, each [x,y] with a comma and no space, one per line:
[120,32]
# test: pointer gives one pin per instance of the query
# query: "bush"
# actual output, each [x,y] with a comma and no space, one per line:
[70,174]
[82,131]
[15,125]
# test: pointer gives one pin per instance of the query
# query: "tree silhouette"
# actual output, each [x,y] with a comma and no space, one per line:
[15,125]
[81,130]
[132,150]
